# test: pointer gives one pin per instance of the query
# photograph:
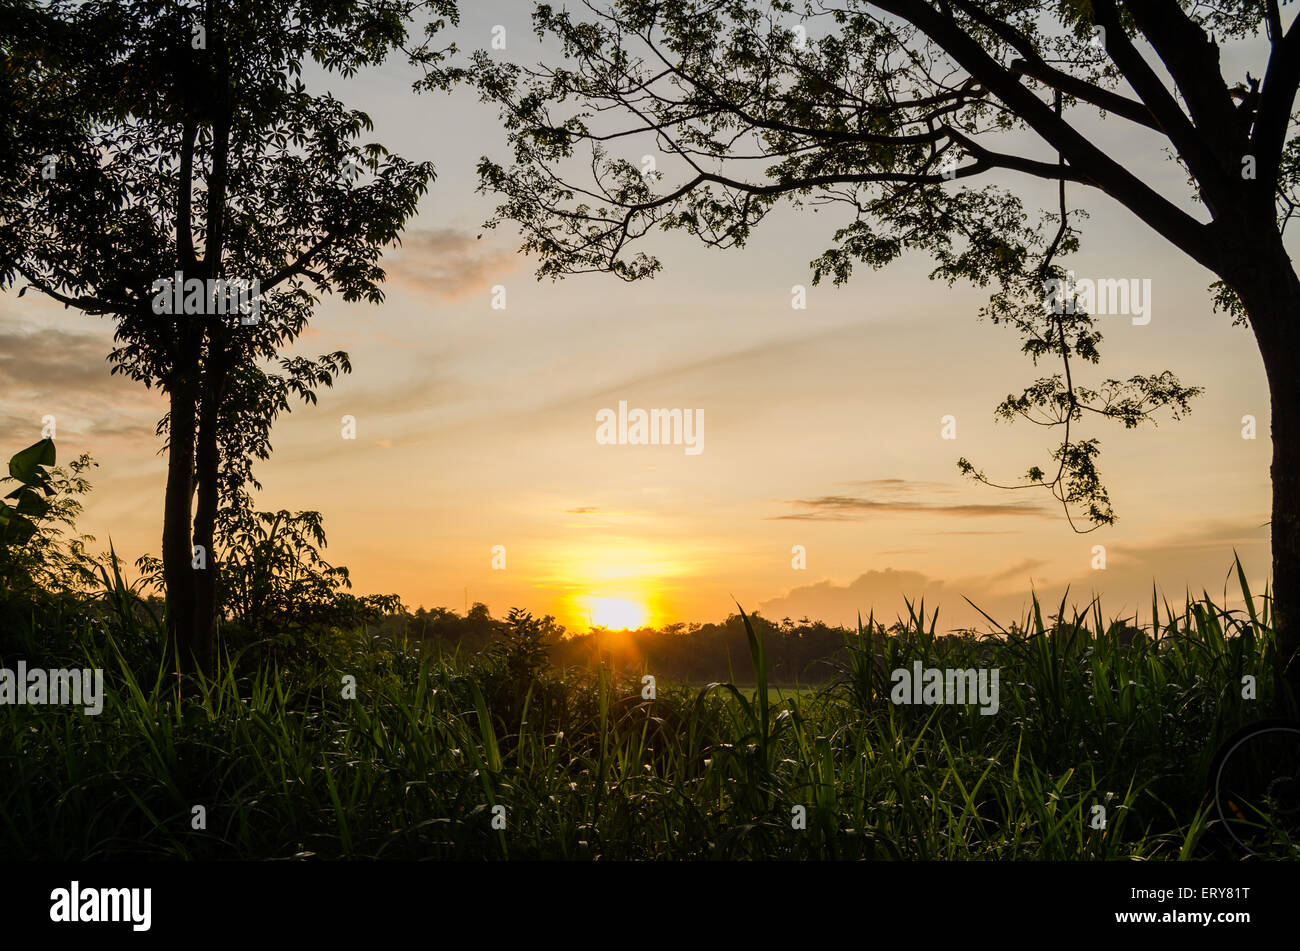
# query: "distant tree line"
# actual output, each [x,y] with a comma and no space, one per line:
[801,651]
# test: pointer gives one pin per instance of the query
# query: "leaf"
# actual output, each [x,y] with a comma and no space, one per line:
[31,503]
[25,466]
[17,530]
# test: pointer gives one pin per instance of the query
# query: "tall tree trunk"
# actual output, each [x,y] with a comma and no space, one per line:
[1271,295]
[207,459]
[1286,524]
[204,623]
[177,553]
[177,556]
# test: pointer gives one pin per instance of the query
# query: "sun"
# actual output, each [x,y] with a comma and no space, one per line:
[617,614]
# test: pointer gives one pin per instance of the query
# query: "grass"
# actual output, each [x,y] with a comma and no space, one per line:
[1092,713]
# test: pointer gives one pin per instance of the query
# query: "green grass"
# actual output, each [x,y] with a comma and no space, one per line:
[286,767]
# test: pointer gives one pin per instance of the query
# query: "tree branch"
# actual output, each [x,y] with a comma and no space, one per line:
[1276,102]
[1167,219]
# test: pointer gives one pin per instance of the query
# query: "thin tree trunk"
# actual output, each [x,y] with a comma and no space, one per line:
[177,553]
[207,460]
[203,630]
[177,556]
[203,633]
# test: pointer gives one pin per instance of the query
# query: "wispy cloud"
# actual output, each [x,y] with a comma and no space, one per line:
[1007,532]
[48,360]
[902,485]
[67,375]
[1020,571]
[839,508]
[447,263]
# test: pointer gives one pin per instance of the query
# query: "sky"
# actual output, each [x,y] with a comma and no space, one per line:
[822,427]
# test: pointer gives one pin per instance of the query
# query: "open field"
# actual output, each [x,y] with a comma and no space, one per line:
[285,764]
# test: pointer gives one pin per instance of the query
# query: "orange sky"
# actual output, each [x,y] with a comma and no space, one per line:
[476,427]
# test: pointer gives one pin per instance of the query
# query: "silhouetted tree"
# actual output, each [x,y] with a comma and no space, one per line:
[195,149]
[887,107]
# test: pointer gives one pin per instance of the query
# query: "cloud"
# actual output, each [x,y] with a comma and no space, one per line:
[50,371]
[1007,532]
[901,496]
[1185,563]
[1017,572]
[849,508]
[54,359]
[901,485]
[447,263]
[879,591]
[710,368]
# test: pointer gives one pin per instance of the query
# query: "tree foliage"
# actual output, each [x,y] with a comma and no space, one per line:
[185,141]
[907,116]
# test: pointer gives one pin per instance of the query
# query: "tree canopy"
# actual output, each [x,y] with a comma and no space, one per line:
[910,116]
[193,150]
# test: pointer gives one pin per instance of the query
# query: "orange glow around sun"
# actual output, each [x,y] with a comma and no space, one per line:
[617,614]
[623,584]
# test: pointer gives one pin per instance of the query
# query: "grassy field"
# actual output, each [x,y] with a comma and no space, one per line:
[480,758]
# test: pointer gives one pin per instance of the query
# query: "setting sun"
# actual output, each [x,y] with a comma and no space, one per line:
[616,613]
